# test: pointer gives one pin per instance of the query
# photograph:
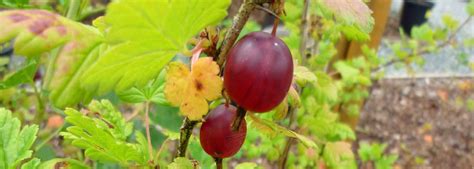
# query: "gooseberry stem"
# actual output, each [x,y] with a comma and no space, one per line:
[275,26]
[185,133]
[237,24]
[218,163]
[239,118]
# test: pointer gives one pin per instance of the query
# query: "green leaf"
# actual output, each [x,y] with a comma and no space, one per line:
[15,4]
[281,110]
[181,163]
[65,163]
[171,135]
[71,63]
[470,8]
[146,35]
[346,70]
[102,136]
[303,75]
[15,143]
[341,131]
[423,32]
[4,60]
[246,165]
[294,97]
[470,105]
[339,155]
[272,129]
[23,75]
[142,141]
[371,152]
[153,92]
[38,31]
[326,90]
[75,46]
[32,164]
[354,14]
[106,111]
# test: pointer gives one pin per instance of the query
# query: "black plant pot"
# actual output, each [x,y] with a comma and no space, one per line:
[413,13]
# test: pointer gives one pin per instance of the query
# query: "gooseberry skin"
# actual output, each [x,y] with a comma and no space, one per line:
[216,135]
[258,72]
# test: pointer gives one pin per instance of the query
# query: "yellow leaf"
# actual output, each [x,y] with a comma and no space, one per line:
[208,83]
[190,90]
[176,82]
[193,106]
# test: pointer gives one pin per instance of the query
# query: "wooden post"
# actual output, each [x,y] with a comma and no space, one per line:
[351,49]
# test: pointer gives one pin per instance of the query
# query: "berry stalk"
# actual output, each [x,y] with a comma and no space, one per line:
[185,133]
[239,118]
[218,163]
[237,24]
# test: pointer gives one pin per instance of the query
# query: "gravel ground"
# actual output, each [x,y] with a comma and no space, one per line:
[426,121]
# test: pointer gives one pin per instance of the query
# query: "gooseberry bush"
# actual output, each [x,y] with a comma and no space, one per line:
[176,84]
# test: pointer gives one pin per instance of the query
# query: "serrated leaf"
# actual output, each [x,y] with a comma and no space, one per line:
[347,71]
[114,119]
[63,163]
[153,92]
[190,90]
[99,138]
[303,75]
[171,135]
[36,32]
[15,143]
[353,13]
[281,110]
[326,90]
[246,165]
[32,164]
[71,63]
[23,75]
[294,97]
[339,155]
[148,34]
[142,141]
[341,131]
[272,129]
[181,163]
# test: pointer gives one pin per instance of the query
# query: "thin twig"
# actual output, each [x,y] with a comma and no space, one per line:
[268,11]
[238,23]
[157,156]
[185,133]
[41,108]
[50,136]
[290,140]
[304,31]
[134,114]
[147,126]
[426,50]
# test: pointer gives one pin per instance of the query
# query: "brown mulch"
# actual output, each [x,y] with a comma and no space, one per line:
[426,121]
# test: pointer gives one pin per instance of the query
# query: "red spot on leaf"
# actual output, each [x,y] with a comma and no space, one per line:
[41,12]
[18,17]
[39,26]
[61,29]
[198,85]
